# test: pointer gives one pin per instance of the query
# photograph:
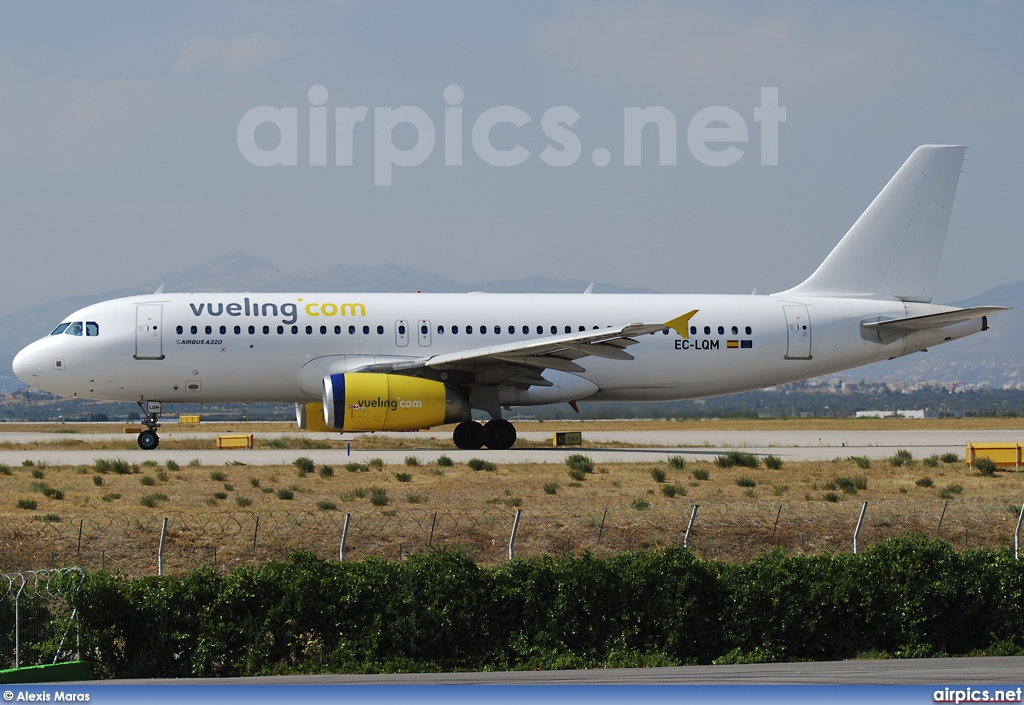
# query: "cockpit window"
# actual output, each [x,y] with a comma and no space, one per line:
[92,328]
[60,329]
[75,329]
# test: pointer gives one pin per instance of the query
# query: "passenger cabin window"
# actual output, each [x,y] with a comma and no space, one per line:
[179,330]
[693,330]
[707,330]
[60,329]
[735,330]
[721,330]
[747,329]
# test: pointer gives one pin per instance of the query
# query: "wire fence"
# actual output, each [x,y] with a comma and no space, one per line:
[145,545]
[38,624]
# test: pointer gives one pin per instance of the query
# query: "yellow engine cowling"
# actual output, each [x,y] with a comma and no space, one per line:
[369,401]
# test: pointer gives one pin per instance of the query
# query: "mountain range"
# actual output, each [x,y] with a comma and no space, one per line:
[995,357]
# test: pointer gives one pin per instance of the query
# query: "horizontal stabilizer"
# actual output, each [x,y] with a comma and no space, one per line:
[932,320]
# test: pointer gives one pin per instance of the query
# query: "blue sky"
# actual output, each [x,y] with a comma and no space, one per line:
[120,147]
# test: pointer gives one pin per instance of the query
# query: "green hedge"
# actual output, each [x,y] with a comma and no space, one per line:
[440,611]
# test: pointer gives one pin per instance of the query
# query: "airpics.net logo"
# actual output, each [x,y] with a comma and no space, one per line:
[714,135]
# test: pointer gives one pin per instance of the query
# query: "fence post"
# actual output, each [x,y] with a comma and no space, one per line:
[860,520]
[430,541]
[1016,534]
[512,538]
[776,526]
[255,533]
[78,551]
[160,551]
[689,526]
[941,517]
[344,537]
[600,531]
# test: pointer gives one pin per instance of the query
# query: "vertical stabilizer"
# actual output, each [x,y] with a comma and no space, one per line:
[894,248]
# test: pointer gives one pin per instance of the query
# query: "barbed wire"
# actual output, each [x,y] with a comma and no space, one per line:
[727,529]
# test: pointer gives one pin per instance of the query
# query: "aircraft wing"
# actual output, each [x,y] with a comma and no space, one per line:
[520,363]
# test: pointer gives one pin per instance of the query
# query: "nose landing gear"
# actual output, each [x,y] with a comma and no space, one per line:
[148,439]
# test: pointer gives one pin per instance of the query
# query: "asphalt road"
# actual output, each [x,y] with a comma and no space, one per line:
[636,446]
[1005,670]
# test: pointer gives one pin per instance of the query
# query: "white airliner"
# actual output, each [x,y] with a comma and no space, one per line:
[388,362]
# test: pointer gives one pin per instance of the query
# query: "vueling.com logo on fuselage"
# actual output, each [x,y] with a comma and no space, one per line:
[392,404]
[288,312]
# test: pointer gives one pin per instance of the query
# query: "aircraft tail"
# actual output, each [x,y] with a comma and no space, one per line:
[894,248]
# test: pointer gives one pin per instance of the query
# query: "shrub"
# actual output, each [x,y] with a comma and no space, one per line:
[375,463]
[173,466]
[151,500]
[577,474]
[416,498]
[951,491]
[243,501]
[674,490]
[218,476]
[903,458]
[849,485]
[551,488]
[254,481]
[677,461]
[640,505]
[412,461]
[986,466]
[304,466]
[924,482]
[229,487]
[51,517]
[149,464]
[773,462]
[480,464]
[701,474]
[97,480]
[403,477]
[863,461]
[326,471]
[444,461]
[28,463]
[513,501]
[831,497]
[5,469]
[779,490]
[145,480]
[378,497]
[932,461]
[735,457]
[194,463]
[111,496]
[114,465]
[658,474]
[326,505]
[745,482]
[576,461]
[43,488]
[285,493]
[37,473]
[220,495]
[950,458]
[357,467]
[27,504]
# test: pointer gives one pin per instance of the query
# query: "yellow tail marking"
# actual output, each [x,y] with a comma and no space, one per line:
[681,324]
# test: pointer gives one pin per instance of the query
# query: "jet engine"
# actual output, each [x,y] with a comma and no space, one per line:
[370,401]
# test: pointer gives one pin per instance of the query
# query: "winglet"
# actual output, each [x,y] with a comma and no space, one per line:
[681,324]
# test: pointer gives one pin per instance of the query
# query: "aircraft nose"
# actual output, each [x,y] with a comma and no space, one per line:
[26,366]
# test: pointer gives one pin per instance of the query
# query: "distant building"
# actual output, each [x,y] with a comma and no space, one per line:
[900,413]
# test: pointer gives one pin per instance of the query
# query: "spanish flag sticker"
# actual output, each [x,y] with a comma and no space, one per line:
[732,343]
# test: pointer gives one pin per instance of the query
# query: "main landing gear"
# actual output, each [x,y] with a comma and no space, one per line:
[496,434]
[148,440]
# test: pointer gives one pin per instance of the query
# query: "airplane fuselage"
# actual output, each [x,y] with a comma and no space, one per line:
[278,347]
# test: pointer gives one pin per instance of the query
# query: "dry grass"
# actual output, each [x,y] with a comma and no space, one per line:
[213,509]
